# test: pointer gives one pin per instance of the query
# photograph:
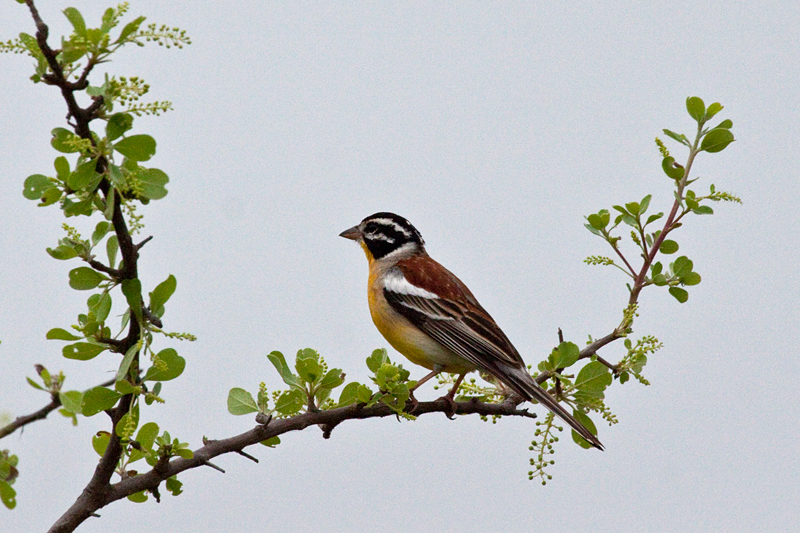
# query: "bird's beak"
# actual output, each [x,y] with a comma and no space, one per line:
[353,233]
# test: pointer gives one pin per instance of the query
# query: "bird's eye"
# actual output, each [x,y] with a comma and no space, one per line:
[371,228]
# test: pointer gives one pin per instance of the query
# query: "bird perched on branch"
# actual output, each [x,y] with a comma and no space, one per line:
[428,315]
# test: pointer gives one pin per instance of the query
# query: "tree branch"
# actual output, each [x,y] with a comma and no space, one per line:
[89,502]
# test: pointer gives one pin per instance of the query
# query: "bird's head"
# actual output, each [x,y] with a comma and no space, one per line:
[383,234]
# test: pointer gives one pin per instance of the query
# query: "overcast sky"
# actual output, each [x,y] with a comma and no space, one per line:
[495,128]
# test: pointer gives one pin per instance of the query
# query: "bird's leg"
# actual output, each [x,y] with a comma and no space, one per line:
[414,402]
[449,397]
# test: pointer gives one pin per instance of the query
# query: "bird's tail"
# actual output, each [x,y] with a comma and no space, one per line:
[523,384]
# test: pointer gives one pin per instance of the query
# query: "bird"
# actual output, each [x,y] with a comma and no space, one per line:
[430,316]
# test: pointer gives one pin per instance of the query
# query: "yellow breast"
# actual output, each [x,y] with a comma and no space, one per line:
[405,337]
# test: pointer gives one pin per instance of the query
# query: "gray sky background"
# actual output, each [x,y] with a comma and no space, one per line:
[495,128]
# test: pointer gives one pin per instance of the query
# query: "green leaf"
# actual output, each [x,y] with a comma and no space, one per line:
[363,394]
[35,186]
[290,402]
[50,196]
[34,384]
[62,252]
[100,442]
[241,402]
[716,140]
[137,147]
[593,379]
[681,295]
[132,289]
[129,29]
[118,124]
[653,218]
[152,182]
[332,379]
[125,364]
[671,169]
[161,294]
[98,399]
[681,138]
[349,394]
[279,362]
[692,278]
[61,335]
[8,495]
[101,307]
[696,108]
[307,365]
[82,351]
[633,208]
[82,175]
[377,359]
[85,278]
[644,204]
[682,266]
[566,355]
[112,246]
[72,209]
[62,167]
[71,401]
[703,210]
[117,177]
[174,486]
[725,124]
[139,497]
[75,18]
[668,247]
[271,442]
[60,140]
[713,109]
[174,363]
[124,387]
[587,422]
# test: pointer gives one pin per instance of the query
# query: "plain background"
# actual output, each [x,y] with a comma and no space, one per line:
[495,127]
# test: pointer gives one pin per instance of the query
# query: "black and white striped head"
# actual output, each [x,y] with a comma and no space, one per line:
[383,233]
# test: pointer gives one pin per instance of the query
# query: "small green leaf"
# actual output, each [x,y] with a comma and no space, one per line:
[713,109]
[679,294]
[633,208]
[349,394]
[692,278]
[672,169]
[50,196]
[241,402]
[100,442]
[62,167]
[279,362]
[124,387]
[593,379]
[567,354]
[161,294]
[60,140]
[34,384]
[71,401]
[332,379]
[137,147]
[271,442]
[363,394]
[118,124]
[125,364]
[644,204]
[85,278]
[681,138]
[725,124]
[101,307]
[653,218]
[175,365]
[703,210]
[152,182]
[82,175]
[8,495]
[98,399]
[587,422]
[174,486]
[377,359]
[308,369]
[35,186]
[139,497]
[716,140]
[132,289]
[668,247]
[129,29]
[75,18]
[682,266]
[62,252]
[112,246]
[82,351]
[290,402]
[61,335]
[696,108]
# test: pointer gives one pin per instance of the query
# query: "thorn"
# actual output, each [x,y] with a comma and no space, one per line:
[212,465]
[244,454]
